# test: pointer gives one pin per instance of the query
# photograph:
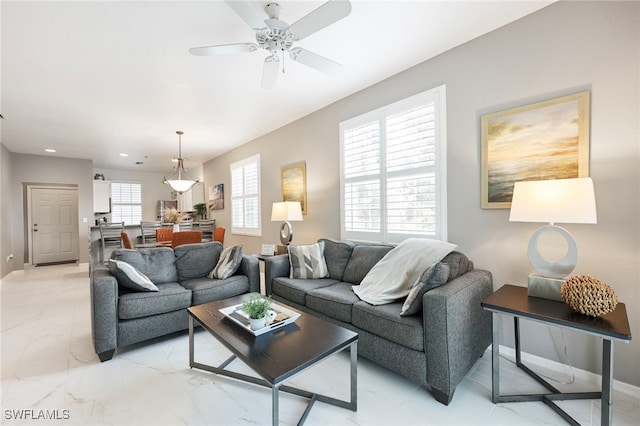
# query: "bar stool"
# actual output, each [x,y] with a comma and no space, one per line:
[110,234]
[148,230]
[207,227]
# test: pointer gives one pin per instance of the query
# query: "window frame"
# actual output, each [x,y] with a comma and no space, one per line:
[437,96]
[113,202]
[246,230]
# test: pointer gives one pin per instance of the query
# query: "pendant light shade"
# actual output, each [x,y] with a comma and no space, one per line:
[180,182]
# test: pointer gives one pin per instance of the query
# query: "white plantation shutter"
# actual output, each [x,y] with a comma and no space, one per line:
[126,202]
[245,196]
[393,171]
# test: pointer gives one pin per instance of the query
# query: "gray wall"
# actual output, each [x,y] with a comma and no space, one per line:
[6,243]
[564,48]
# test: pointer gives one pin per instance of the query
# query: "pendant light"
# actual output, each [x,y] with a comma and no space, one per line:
[180,181]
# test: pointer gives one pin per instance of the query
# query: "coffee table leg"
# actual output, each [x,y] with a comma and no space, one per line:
[275,411]
[190,341]
[353,349]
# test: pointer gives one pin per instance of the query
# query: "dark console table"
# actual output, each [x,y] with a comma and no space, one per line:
[514,301]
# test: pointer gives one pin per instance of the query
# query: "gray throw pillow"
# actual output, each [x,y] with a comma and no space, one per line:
[432,277]
[228,264]
[130,277]
[308,261]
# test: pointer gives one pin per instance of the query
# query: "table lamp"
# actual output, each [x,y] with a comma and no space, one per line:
[555,200]
[286,211]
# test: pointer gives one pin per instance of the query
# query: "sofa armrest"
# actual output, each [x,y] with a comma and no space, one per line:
[104,311]
[251,268]
[457,330]
[275,266]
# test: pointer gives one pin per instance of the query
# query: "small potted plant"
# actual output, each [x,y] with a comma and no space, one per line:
[257,308]
[200,210]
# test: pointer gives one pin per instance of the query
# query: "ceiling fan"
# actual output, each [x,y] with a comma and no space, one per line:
[278,37]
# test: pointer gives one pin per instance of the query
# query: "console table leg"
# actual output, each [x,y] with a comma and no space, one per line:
[495,357]
[607,382]
[275,411]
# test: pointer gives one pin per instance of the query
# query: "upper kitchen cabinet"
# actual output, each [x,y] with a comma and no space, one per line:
[101,196]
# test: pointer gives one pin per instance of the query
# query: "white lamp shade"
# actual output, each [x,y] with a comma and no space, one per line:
[181,185]
[286,210]
[554,201]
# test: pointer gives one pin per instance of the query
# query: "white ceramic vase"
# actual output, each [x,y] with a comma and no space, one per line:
[176,227]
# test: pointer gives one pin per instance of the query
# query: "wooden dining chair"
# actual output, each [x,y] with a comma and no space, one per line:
[218,234]
[185,237]
[164,235]
[126,242]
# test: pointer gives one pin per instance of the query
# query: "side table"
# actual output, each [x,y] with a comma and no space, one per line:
[514,301]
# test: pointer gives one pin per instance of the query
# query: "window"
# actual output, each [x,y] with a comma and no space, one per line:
[245,197]
[126,202]
[393,171]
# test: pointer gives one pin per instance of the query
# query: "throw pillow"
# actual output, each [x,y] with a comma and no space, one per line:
[130,277]
[228,264]
[432,277]
[392,277]
[308,261]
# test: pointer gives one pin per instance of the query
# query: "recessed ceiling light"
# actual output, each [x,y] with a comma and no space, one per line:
[50,150]
[123,154]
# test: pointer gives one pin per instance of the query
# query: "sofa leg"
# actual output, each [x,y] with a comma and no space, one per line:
[106,356]
[441,397]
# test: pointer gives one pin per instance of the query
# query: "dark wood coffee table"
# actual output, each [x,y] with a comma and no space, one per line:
[278,355]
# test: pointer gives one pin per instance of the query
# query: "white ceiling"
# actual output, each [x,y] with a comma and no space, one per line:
[95,79]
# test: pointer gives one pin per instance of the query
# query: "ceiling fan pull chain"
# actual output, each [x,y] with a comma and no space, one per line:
[283,59]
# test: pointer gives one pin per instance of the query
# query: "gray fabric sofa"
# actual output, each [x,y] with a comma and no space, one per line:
[435,348]
[121,317]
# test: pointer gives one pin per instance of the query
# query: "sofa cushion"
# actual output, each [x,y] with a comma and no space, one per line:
[362,259]
[196,260]
[337,255]
[307,261]
[169,297]
[385,321]
[391,279]
[296,289]
[157,263]
[207,290]
[334,301]
[459,264]
[130,277]
[434,276]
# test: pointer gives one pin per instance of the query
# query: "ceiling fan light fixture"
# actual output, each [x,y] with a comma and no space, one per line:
[180,182]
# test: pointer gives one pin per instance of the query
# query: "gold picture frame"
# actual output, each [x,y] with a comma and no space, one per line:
[293,180]
[543,140]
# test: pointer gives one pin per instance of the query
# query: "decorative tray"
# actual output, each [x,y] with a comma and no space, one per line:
[284,316]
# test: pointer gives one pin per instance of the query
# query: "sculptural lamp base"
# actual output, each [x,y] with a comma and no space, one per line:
[286,233]
[547,282]
[545,287]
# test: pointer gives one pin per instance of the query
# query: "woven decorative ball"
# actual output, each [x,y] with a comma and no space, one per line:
[588,295]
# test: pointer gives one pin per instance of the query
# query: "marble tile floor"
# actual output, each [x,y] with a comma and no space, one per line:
[49,368]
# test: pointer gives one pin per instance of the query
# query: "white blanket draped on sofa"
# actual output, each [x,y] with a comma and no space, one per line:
[392,277]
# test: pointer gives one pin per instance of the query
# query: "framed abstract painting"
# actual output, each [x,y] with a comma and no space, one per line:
[543,140]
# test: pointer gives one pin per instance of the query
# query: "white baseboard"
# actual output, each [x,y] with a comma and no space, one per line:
[559,369]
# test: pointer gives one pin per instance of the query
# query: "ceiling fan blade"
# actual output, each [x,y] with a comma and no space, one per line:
[223,49]
[325,15]
[270,72]
[315,61]
[248,14]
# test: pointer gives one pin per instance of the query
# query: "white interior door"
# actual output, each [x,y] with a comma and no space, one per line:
[54,225]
